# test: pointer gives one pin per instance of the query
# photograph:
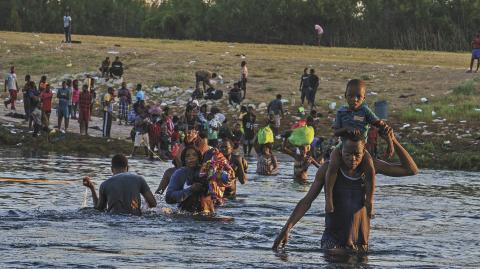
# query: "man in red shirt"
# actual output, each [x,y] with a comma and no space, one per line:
[46,99]
[475,52]
[85,103]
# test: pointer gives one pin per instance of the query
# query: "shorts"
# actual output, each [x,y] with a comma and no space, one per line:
[62,112]
[476,54]
[141,140]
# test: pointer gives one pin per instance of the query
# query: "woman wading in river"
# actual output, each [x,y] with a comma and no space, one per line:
[348,227]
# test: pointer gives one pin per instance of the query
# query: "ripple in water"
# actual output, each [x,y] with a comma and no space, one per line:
[427,221]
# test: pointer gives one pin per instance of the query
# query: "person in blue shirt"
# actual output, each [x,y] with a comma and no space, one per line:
[353,119]
[140,96]
[186,188]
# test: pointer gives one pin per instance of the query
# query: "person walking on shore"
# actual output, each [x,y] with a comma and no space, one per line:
[108,99]
[243,78]
[314,83]
[304,85]
[12,85]
[67,26]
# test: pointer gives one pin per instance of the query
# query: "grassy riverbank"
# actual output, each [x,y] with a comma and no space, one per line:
[433,104]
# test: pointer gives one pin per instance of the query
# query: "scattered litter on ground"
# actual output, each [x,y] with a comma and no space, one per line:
[113,52]
[423,100]
[405,126]
[407,95]
[434,113]
[332,105]
[418,110]
[446,142]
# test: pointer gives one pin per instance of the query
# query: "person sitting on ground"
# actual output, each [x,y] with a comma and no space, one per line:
[235,95]
[116,71]
[213,94]
[267,164]
[204,77]
[120,194]
[354,119]
[104,67]
[186,188]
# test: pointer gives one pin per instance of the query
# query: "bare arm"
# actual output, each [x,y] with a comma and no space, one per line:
[150,199]
[87,182]
[302,207]
[242,176]
[406,167]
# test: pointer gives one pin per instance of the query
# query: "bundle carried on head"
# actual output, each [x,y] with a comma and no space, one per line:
[302,136]
[265,135]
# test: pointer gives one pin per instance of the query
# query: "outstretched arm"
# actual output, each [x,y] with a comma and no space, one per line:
[302,207]
[406,167]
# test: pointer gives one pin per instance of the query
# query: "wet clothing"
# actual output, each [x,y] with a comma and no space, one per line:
[359,119]
[300,168]
[121,193]
[265,165]
[348,226]
[179,189]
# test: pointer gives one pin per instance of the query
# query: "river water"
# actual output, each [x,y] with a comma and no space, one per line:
[426,221]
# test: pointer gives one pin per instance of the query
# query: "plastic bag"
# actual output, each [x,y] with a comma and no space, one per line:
[302,136]
[265,135]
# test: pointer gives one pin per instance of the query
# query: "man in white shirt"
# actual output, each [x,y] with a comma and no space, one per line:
[67,27]
[12,86]
[243,78]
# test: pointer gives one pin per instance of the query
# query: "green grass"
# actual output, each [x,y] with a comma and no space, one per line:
[457,106]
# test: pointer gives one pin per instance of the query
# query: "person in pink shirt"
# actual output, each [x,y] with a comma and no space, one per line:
[75,99]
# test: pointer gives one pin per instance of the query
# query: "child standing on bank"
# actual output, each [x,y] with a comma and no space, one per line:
[353,120]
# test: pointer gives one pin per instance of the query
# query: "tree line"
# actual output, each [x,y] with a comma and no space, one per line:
[399,24]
